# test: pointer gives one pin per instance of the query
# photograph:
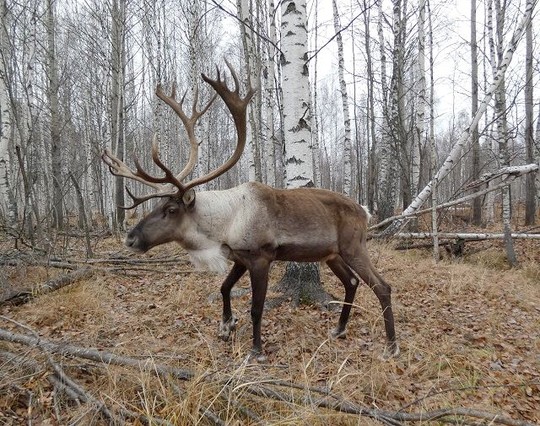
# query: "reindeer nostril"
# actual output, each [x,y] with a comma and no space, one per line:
[136,242]
[131,240]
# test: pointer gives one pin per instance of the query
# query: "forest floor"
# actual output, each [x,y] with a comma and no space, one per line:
[469,333]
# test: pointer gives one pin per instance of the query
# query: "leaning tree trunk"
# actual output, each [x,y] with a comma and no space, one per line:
[453,156]
[301,281]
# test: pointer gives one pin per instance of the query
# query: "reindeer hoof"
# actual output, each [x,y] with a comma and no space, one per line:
[257,356]
[336,333]
[390,351]
[226,328]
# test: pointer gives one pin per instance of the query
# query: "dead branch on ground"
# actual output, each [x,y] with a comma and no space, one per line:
[20,297]
[258,387]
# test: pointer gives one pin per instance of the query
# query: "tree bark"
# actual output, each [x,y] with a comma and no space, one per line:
[475,138]
[530,184]
[55,126]
[297,130]
[503,135]
[7,204]
[371,139]
[270,95]
[117,102]
[347,143]
[247,14]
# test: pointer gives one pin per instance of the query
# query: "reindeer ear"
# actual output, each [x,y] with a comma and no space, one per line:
[189,197]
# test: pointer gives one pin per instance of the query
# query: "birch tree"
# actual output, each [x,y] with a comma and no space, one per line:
[295,86]
[270,96]
[6,206]
[347,144]
[391,99]
[503,135]
[118,66]
[530,185]
[301,280]
[422,101]
[475,138]
[53,88]
[248,11]
[370,113]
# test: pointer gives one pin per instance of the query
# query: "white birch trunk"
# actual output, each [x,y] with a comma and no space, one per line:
[314,106]
[118,65]
[270,95]
[475,137]
[247,14]
[296,105]
[421,105]
[302,280]
[530,192]
[465,136]
[502,138]
[55,125]
[6,206]
[386,186]
[347,144]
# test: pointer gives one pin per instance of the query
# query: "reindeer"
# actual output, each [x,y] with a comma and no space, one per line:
[252,224]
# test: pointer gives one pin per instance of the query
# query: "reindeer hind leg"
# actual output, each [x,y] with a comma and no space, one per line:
[365,270]
[350,282]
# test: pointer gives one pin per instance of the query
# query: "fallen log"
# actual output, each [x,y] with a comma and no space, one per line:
[262,387]
[22,296]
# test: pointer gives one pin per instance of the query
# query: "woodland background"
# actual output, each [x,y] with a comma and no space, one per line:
[392,88]
[406,104]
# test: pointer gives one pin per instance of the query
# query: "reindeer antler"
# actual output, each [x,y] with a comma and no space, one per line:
[236,105]
[189,123]
[118,168]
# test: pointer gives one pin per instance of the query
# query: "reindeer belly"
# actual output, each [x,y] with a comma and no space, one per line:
[305,253]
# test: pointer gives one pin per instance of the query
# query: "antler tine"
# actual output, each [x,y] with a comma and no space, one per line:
[118,168]
[234,76]
[169,177]
[140,200]
[237,107]
[188,122]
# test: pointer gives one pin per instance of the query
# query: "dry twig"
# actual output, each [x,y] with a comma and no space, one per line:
[262,389]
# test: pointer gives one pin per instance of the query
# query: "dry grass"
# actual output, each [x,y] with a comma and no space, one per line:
[468,333]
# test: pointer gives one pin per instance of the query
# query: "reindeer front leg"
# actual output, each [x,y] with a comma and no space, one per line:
[228,321]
